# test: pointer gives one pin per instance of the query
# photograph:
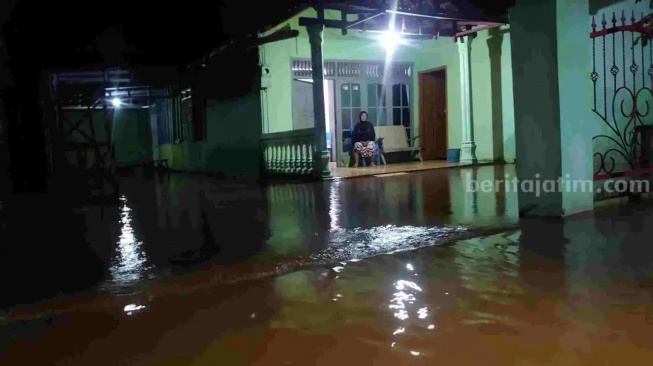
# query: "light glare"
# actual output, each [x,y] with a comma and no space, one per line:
[390,40]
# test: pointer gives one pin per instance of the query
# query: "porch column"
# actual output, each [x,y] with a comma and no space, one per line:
[468,146]
[321,155]
[554,125]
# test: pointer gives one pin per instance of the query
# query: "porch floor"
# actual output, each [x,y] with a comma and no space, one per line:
[338,172]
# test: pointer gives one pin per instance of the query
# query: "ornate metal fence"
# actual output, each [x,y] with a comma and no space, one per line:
[622,74]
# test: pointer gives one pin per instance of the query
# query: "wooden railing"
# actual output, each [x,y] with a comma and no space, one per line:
[289,152]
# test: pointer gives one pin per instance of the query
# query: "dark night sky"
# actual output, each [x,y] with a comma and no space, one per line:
[64,32]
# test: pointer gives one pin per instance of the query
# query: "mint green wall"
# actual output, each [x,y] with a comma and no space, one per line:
[492,98]
[131,133]
[132,136]
[551,56]
[425,55]
[232,144]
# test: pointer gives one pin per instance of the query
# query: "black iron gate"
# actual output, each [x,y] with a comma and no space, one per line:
[622,75]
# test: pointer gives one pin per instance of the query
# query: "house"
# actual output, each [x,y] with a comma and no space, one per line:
[447,80]
[459,79]
[417,85]
[546,86]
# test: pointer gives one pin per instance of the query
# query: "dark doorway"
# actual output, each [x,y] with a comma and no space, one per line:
[433,114]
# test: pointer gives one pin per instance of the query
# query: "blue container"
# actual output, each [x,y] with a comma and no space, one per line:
[453,155]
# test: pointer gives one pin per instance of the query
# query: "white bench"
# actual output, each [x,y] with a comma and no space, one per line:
[395,141]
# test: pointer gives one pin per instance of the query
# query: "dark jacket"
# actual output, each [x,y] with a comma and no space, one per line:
[363,131]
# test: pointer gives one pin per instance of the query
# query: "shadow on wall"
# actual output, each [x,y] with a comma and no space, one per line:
[510,141]
[597,5]
[494,47]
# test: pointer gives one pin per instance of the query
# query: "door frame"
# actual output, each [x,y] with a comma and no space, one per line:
[420,76]
[337,104]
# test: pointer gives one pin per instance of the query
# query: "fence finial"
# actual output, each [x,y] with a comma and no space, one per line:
[623,17]
[593,24]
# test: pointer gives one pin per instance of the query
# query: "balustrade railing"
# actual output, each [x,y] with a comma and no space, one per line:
[289,152]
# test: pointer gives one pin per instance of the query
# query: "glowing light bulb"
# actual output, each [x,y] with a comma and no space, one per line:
[116,102]
[390,40]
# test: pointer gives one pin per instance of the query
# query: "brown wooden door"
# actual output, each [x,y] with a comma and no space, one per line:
[433,114]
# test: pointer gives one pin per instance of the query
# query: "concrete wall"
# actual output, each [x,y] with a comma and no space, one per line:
[231,146]
[233,113]
[554,126]
[491,80]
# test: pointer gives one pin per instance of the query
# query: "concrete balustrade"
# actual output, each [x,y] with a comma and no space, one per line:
[289,153]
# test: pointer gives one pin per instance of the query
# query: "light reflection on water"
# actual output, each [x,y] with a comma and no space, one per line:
[290,226]
[490,301]
[130,264]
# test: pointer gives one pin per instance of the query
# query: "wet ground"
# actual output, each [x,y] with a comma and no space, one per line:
[179,224]
[574,292]
[551,293]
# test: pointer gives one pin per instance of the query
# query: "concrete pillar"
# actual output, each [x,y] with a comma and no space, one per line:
[554,126]
[321,155]
[468,146]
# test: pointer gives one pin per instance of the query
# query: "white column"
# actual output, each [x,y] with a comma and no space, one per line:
[468,146]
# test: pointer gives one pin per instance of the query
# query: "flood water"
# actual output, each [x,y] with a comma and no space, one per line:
[179,224]
[550,292]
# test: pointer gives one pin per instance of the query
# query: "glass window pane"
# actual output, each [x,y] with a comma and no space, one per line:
[396,101]
[345,99]
[405,117]
[371,96]
[371,116]
[346,141]
[355,112]
[404,95]
[381,117]
[346,118]
[381,95]
[396,116]
[355,95]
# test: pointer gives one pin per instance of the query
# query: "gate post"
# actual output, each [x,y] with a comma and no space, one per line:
[554,126]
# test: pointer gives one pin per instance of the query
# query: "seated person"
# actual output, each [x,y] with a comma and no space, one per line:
[363,138]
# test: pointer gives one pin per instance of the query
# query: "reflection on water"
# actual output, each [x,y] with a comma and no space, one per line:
[575,292]
[334,204]
[180,224]
[130,263]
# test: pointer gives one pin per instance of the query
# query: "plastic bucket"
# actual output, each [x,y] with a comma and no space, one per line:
[453,155]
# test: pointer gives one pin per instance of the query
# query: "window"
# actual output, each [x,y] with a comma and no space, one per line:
[302,102]
[186,108]
[350,104]
[177,128]
[172,112]
[376,104]
[401,107]
[163,121]
[198,118]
